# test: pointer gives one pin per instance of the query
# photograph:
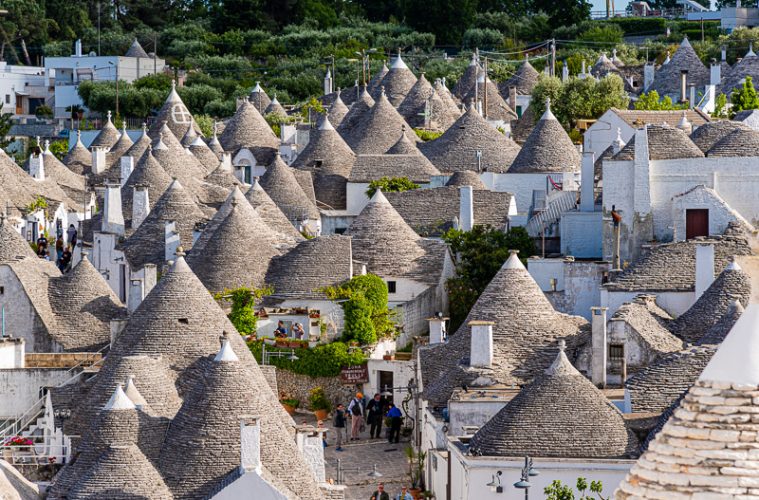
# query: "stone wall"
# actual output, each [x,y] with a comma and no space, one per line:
[61,360]
[295,385]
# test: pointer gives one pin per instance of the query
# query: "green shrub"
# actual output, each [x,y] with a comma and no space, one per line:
[367,316]
[391,185]
[482,38]
[427,135]
[318,400]
[321,361]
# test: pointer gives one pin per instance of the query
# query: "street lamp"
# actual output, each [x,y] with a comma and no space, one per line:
[495,484]
[117,85]
[527,473]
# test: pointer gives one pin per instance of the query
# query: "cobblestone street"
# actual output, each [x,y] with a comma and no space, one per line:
[359,459]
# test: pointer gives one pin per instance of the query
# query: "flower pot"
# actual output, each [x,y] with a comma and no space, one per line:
[289,409]
[387,357]
[416,493]
[321,414]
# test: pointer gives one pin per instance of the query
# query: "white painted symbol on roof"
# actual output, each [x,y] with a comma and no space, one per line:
[180,114]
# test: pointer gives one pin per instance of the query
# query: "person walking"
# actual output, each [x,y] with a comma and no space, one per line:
[58,248]
[396,418]
[356,411]
[42,246]
[65,260]
[375,411]
[380,493]
[339,424]
[71,234]
[404,494]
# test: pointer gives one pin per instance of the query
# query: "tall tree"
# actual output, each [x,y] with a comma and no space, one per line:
[447,19]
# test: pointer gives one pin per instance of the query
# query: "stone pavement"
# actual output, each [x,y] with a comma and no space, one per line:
[358,460]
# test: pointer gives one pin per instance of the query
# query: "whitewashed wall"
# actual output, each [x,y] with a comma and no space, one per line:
[675,303]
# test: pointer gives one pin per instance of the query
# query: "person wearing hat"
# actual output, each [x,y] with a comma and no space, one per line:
[356,411]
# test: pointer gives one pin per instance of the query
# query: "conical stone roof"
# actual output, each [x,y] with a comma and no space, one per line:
[189,137]
[202,445]
[717,333]
[84,305]
[547,149]
[259,98]
[709,134]
[244,231]
[223,177]
[136,50]
[78,159]
[207,157]
[330,160]
[525,331]
[107,136]
[147,172]
[704,451]
[457,148]
[247,128]
[214,144]
[12,245]
[497,108]
[397,83]
[270,212]
[374,133]
[337,111]
[741,142]
[175,115]
[280,184]
[147,244]
[560,414]
[469,78]
[122,472]
[732,284]
[383,240]
[176,161]
[376,81]
[447,97]
[355,115]
[466,178]
[403,146]
[733,78]
[667,78]
[422,99]
[524,79]
[275,108]
[140,145]
[120,147]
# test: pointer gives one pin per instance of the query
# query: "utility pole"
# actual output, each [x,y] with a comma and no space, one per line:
[485,91]
[98,28]
[155,53]
[553,57]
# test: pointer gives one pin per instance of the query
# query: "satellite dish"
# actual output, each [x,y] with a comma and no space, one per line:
[92,53]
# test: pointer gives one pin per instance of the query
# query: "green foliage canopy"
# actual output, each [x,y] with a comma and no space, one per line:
[391,185]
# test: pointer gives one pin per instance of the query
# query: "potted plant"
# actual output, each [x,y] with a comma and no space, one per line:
[388,356]
[19,443]
[319,402]
[290,405]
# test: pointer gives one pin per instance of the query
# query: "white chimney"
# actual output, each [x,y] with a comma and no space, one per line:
[716,74]
[704,267]
[648,76]
[309,441]
[140,204]
[328,83]
[140,284]
[466,208]
[37,166]
[565,72]
[127,166]
[437,329]
[481,350]
[226,161]
[171,240]
[98,159]
[598,343]
[723,53]
[250,444]
[78,48]
[683,85]
[587,196]
[113,218]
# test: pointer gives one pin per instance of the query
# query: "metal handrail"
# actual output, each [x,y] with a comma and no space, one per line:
[30,415]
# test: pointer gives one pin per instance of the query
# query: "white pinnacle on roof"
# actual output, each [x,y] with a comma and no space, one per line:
[513,261]
[733,266]
[109,115]
[750,52]
[325,124]
[685,42]
[226,353]
[561,365]
[119,400]
[160,144]
[737,359]
[548,114]
[257,88]
[173,96]
[379,197]
[618,141]
[133,394]
[398,62]
[475,60]
[198,142]
[684,124]
[666,61]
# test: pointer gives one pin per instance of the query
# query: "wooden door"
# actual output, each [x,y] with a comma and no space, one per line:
[696,223]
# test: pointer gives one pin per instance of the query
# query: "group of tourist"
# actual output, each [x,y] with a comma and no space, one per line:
[63,251]
[281,331]
[361,413]
[381,494]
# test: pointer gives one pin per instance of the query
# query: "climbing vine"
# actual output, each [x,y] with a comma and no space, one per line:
[242,313]
[367,316]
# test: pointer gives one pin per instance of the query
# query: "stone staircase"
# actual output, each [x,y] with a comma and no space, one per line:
[555,205]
